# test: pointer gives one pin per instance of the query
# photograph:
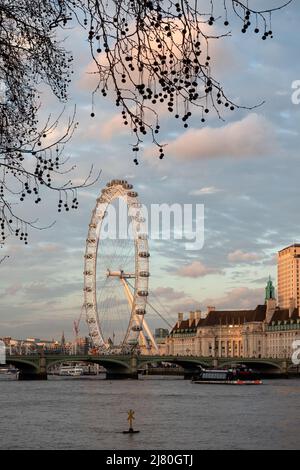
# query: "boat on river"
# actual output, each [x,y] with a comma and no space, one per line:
[71,371]
[237,375]
[8,373]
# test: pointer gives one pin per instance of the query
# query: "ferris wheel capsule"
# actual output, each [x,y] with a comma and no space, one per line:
[143,293]
[132,194]
[144,274]
[137,328]
[143,236]
[140,311]
[135,205]
[127,186]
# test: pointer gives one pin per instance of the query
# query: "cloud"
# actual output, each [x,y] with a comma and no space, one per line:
[177,301]
[12,290]
[204,191]
[188,304]
[252,136]
[260,280]
[109,128]
[196,269]
[168,293]
[240,256]
[238,298]
[271,261]
[40,291]
[50,247]
[174,300]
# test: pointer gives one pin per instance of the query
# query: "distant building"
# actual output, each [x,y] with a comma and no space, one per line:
[266,331]
[63,343]
[161,333]
[29,345]
[289,277]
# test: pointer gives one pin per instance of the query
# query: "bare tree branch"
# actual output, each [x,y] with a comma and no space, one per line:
[30,55]
[153,56]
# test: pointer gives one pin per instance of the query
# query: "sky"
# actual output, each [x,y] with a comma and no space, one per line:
[244,170]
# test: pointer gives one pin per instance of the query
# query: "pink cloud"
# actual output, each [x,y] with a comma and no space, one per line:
[196,269]
[238,298]
[188,304]
[240,256]
[13,289]
[175,301]
[168,293]
[252,136]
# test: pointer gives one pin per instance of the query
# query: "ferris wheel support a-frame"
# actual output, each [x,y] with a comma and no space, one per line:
[134,317]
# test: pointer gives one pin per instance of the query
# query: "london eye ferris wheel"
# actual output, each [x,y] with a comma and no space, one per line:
[116,273]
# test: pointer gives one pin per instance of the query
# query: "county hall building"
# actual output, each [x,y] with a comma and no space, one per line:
[268,330]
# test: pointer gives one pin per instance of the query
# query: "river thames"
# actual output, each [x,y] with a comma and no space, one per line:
[91,413]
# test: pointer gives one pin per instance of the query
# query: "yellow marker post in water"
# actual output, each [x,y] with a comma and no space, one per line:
[130,419]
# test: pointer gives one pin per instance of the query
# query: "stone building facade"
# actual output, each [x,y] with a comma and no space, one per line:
[266,331]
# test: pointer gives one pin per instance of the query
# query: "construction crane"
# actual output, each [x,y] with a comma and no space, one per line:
[76,324]
[4,257]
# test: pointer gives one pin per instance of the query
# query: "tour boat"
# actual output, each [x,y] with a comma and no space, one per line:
[8,372]
[71,371]
[238,375]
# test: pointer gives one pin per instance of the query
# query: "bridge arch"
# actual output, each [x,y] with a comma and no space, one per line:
[23,365]
[107,363]
[28,369]
[116,368]
[185,362]
[257,364]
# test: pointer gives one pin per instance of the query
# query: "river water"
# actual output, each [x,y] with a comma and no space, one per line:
[171,413]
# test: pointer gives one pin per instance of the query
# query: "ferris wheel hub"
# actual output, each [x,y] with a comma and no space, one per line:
[120,274]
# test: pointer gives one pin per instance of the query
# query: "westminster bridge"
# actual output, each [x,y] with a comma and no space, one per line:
[36,367]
